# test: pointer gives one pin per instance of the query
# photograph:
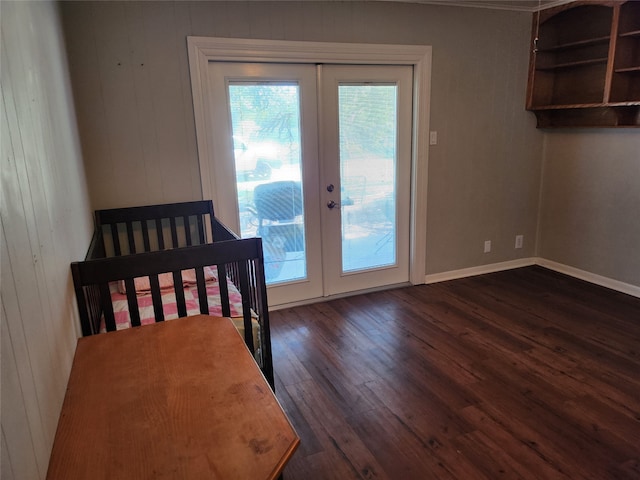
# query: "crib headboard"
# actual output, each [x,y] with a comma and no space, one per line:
[126,231]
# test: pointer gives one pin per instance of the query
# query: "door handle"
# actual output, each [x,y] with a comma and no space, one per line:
[331,205]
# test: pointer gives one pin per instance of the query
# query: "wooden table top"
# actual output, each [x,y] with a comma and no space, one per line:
[177,399]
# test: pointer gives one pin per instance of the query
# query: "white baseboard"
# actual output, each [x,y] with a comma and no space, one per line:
[616,285]
[590,277]
[480,270]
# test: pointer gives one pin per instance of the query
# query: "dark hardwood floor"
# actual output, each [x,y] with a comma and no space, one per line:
[523,374]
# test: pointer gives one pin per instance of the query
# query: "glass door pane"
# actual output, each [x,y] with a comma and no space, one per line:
[265,121]
[367,116]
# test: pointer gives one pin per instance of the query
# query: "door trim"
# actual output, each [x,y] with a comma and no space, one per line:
[203,50]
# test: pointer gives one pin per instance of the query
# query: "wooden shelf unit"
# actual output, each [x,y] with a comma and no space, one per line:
[584,65]
[576,63]
[625,83]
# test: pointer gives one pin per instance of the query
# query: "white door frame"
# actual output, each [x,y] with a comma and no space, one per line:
[203,50]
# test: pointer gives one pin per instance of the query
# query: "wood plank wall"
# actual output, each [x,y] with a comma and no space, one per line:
[46,223]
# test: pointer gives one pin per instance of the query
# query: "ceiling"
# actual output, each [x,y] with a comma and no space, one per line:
[522,5]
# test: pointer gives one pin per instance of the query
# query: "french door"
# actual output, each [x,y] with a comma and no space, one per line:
[316,160]
[366,170]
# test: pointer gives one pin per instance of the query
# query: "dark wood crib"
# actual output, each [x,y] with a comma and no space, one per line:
[170,261]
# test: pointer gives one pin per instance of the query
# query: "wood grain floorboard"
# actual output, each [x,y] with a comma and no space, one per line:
[525,374]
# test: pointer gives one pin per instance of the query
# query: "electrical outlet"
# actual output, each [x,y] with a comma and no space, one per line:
[519,241]
[433,137]
[487,246]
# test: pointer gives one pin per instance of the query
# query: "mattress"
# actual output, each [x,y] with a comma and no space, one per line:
[170,306]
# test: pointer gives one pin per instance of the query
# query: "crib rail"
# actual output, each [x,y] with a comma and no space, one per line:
[127,231]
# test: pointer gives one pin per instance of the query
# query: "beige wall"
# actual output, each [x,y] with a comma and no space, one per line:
[131,82]
[46,224]
[590,213]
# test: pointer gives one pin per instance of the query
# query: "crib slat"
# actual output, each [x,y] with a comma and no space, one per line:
[233,272]
[187,229]
[132,300]
[174,232]
[156,296]
[202,291]
[145,236]
[179,291]
[200,229]
[246,305]
[85,297]
[92,307]
[95,307]
[132,241]
[107,307]
[262,309]
[116,239]
[160,234]
[224,290]
[253,294]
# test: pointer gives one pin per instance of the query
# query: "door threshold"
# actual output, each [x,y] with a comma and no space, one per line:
[310,301]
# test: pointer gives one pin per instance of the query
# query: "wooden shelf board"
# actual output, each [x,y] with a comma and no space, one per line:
[568,106]
[580,63]
[628,70]
[628,103]
[579,43]
[633,33]
[585,105]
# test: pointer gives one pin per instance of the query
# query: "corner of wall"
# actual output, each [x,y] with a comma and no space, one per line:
[543,161]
